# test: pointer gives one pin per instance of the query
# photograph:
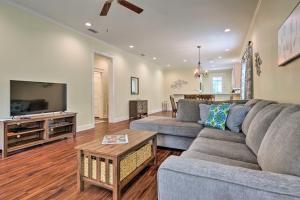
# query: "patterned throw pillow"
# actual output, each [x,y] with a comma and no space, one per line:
[217,116]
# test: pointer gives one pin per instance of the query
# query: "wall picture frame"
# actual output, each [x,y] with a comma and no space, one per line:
[135,85]
[289,38]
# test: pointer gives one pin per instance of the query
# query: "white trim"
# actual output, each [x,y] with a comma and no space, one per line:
[119,119]
[155,111]
[111,85]
[49,19]
[85,127]
[124,118]
[68,27]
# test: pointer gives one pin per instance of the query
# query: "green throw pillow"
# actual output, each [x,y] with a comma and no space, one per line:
[217,116]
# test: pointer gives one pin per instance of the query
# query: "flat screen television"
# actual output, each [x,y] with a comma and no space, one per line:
[27,97]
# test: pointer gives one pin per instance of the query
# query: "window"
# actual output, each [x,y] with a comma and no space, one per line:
[217,84]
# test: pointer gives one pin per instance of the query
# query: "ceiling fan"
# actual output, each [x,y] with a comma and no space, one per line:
[124,3]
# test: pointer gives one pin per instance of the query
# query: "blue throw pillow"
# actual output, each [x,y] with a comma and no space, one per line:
[204,110]
[235,119]
[217,116]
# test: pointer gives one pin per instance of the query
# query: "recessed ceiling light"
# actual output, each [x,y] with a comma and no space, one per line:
[220,57]
[154,58]
[227,49]
[88,24]
[168,65]
[184,60]
[131,46]
[227,30]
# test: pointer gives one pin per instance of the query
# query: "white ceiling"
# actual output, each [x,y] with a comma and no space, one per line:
[167,29]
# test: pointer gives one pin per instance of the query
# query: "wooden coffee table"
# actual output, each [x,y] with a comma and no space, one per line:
[114,166]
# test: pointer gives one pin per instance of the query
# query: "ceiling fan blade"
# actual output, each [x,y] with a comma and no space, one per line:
[105,8]
[130,6]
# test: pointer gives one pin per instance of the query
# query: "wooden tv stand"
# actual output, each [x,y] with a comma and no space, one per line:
[23,132]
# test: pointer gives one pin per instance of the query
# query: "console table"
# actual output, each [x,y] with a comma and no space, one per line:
[24,132]
[138,108]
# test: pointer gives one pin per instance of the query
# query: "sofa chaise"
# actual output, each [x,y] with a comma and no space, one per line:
[262,162]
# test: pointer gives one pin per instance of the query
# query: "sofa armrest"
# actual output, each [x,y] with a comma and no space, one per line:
[187,179]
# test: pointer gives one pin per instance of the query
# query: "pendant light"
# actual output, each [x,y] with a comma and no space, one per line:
[198,71]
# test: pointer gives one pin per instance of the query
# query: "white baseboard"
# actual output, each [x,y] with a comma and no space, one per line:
[155,111]
[123,118]
[85,127]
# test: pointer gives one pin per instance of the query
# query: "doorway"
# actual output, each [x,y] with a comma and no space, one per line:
[101,85]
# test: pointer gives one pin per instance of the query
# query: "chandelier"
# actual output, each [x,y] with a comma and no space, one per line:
[199,73]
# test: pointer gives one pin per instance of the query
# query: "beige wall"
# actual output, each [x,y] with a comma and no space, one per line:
[173,74]
[236,76]
[36,49]
[275,83]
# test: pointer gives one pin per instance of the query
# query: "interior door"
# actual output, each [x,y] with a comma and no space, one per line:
[98,95]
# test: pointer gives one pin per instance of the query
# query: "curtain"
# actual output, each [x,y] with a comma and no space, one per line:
[247,73]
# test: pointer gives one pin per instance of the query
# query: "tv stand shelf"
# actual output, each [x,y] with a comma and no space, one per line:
[21,133]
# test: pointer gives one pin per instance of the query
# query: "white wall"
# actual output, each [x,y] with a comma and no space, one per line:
[173,74]
[34,48]
[275,83]
[226,78]
[186,74]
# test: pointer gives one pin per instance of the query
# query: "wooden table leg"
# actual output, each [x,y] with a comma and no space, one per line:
[154,149]
[80,182]
[116,179]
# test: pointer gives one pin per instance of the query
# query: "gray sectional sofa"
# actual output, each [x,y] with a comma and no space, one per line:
[262,162]
[179,132]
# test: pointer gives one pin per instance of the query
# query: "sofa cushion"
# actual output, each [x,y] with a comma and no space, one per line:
[217,159]
[231,150]
[217,116]
[236,116]
[188,110]
[251,114]
[174,142]
[280,148]
[204,111]
[260,125]
[252,102]
[167,125]
[222,135]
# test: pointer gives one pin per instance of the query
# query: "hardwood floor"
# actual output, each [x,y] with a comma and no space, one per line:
[49,171]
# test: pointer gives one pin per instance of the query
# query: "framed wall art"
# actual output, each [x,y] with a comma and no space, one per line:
[289,38]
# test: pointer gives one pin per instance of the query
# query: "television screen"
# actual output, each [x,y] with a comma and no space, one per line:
[28,97]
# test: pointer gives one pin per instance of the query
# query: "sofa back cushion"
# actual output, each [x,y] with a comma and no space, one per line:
[252,102]
[188,110]
[251,114]
[280,148]
[237,114]
[260,124]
